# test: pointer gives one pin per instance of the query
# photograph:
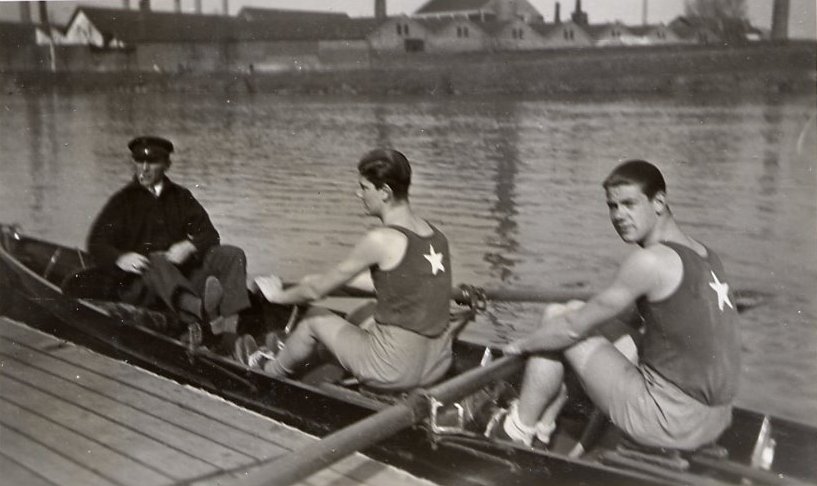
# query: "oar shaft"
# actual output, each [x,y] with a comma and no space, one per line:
[300,464]
[744,299]
[506,295]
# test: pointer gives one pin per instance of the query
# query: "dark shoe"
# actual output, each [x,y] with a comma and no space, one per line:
[225,324]
[211,299]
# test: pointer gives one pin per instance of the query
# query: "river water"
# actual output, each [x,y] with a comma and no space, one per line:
[513,182]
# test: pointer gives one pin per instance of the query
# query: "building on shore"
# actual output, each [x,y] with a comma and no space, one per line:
[274,40]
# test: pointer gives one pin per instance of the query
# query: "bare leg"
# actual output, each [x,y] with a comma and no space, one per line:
[319,326]
[540,385]
[600,366]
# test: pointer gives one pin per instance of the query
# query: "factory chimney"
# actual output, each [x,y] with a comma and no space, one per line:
[177,6]
[144,5]
[557,14]
[579,17]
[780,19]
[198,6]
[380,9]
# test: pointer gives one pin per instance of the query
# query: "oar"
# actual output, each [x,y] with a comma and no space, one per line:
[744,299]
[299,464]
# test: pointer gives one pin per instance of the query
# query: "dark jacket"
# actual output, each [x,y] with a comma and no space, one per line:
[133,220]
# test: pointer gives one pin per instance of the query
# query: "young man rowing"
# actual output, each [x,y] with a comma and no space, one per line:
[408,345]
[679,395]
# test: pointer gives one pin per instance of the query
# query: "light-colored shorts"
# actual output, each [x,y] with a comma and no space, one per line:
[393,358]
[655,412]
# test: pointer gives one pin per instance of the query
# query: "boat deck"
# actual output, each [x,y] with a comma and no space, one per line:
[71,416]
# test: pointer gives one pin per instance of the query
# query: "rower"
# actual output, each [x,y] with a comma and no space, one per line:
[679,394]
[154,246]
[406,261]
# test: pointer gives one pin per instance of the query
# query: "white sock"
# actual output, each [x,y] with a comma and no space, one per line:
[514,427]
[547,424]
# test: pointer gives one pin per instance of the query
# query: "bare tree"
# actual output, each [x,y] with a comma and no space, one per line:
[728,18]
[716,9]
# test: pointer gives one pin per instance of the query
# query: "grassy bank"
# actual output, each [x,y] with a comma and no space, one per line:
[759,68]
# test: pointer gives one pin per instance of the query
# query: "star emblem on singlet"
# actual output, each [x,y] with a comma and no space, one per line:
[435,259]
[722,289]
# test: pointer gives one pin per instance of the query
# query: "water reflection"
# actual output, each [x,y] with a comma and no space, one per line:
[503,153]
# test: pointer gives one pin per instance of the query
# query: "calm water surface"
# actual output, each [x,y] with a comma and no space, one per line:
[513,182]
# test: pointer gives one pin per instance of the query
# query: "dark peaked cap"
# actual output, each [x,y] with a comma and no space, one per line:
[150,148]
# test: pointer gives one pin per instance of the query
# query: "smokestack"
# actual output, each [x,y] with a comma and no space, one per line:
[579,17]
[126,4]
[380,9]
[144,5]
[225,6]
[198,6]
[780,19]
[44,17]
[25,12]
[557,14]
[644,13]
[177,6]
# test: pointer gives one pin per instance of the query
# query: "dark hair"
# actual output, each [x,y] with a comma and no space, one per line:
[387,167]
[639,172]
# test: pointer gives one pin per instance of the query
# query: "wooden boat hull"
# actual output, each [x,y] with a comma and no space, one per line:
[29,278]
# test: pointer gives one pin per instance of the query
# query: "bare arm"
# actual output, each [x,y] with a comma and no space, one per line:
[369,251]
[636,277]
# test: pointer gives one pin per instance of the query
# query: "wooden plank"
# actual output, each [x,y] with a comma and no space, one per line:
[107,463]
[21,340]
[323,478]
[14,473]
[364,470]
[216,409]
[248,446]
[85,421]
[48,464]
[186,441]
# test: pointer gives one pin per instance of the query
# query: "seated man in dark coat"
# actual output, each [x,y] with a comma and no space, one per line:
[157,244]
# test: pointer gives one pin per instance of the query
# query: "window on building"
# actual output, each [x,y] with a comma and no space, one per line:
[459,31]
[406,29]
[399,29]
[465,31]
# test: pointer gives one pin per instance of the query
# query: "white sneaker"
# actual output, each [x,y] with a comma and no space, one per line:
[259,358]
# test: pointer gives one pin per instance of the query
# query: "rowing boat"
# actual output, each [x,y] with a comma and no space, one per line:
[447,446]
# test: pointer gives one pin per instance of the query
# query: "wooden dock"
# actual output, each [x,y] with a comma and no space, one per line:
[69,416]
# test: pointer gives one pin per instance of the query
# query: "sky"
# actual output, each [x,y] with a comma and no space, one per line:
[803,20]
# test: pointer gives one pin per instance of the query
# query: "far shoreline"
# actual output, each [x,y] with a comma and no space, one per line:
[760,68]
